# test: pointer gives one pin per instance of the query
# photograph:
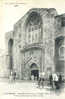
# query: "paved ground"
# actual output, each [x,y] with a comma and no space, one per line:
[27,90]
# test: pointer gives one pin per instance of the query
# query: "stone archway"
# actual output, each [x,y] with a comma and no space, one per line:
[34,71]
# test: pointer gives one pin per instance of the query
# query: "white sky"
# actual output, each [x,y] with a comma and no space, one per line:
[10,14]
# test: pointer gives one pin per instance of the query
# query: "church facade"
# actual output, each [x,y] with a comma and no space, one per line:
[36,44]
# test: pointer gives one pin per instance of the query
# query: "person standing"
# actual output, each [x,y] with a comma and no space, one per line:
[55,81]
[60,81]
[51,80]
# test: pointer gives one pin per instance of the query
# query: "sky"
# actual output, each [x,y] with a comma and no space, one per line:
[12,10]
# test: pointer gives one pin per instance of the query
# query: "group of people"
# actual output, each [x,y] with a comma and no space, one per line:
[54,80]
[12,76]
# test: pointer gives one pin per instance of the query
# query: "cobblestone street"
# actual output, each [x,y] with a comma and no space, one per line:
[27,90]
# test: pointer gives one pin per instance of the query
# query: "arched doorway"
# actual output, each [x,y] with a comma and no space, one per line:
[34,71]
[10,51]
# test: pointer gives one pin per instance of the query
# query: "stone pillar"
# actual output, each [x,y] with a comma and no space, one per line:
[64,55]
[49,55]
[21,65]
[48,41]
[42,59]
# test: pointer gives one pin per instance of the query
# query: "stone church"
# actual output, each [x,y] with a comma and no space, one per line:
[36,44]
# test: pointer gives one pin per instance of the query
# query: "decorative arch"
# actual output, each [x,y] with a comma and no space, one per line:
[33,18]
[33,62]
[34,66]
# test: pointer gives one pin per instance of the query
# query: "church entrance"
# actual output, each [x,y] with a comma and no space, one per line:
[34,72]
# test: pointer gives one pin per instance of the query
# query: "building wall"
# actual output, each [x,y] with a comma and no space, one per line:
[40,50]
[60,44]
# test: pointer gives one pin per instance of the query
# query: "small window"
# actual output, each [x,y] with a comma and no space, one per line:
[61,52]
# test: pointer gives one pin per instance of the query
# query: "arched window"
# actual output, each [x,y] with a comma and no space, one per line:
[10,46]
[62,52]
[33,28]
[10,49]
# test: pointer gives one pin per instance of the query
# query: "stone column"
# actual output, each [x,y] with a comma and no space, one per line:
[21,65]
[49,55]
[42,59]
[64,55]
